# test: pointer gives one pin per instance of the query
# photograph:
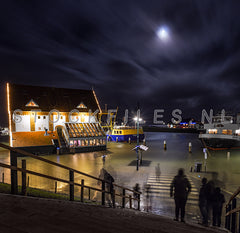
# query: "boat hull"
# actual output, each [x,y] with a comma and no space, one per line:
[125,138]
[221,142]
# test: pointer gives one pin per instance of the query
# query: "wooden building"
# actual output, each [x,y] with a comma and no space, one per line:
[49,120]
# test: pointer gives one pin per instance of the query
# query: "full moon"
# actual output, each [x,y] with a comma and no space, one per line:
[163,33]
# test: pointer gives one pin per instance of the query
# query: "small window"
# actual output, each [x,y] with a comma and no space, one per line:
[39,117]
[120,132]
[44,117]
[61,117]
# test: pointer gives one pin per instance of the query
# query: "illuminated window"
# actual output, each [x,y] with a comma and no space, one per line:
[237,131]
[227,131]
[212,131]
[32,103]
[81,105]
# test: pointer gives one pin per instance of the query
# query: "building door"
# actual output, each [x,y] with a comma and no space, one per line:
[41,123]
[60,121]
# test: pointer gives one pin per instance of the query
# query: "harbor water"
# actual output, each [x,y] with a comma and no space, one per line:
[120,161]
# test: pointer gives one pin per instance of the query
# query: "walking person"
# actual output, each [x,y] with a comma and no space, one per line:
[217,206]
[99,184]
[210,196]
[109,188]
[103,159]
[157,172]
[203,202]
[148,198]
[136,188]
[181,187]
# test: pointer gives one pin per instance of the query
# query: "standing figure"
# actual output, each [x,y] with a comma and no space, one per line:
[103,159]
[158,172]
[99,183]
[203,202]
[109,188]
[181,187]
[136,188]
[148,199]
[217,206]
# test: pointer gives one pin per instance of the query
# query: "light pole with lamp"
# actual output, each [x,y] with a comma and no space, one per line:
[137,119]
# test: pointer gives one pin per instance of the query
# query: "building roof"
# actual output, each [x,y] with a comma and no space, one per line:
[27,98]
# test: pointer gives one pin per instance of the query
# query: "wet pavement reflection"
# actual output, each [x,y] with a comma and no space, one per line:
[120,162]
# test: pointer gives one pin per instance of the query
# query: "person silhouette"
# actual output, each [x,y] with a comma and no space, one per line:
[157,172]
[203,202]
[181,187]
[217,205]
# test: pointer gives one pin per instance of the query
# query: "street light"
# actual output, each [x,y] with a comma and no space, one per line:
[137,119]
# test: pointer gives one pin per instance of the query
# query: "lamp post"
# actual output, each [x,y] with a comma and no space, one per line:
[137,119]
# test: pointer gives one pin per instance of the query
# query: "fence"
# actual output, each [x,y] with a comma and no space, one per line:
[15,153]
[232,211]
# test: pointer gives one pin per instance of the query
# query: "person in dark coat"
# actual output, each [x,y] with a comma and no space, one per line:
[203,202]
[181,187]
[136,188]
[158,172]
[217,206]
[109,187]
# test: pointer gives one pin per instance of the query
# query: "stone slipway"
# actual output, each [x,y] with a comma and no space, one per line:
[35,215]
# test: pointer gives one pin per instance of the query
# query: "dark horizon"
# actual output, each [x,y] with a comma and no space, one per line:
[160,54]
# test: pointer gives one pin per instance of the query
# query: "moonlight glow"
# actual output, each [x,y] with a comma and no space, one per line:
[163,33]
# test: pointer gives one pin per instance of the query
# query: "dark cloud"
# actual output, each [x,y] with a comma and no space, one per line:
[113,47]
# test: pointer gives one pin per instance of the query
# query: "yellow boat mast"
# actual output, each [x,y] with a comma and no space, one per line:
[111,115]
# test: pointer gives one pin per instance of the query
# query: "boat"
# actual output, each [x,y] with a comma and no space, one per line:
[125,134]
[221,133]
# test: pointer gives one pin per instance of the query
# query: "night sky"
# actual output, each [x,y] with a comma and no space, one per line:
[114,46]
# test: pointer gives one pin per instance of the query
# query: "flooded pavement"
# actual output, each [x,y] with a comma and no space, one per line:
[120,162]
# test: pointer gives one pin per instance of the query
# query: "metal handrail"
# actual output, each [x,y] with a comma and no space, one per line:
[24,171]
[233,196]
[231,212]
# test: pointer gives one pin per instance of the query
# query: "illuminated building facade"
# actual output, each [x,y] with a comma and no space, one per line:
[48,119]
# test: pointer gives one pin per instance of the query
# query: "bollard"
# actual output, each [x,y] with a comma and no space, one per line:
[55,186]
[28,181]
[144,142]
[129,140]
[228,155]
[190,147]
[116,139]
[165,145]
[3,177]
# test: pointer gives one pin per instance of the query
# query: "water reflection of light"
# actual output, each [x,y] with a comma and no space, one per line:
[75,158]
[58,159]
